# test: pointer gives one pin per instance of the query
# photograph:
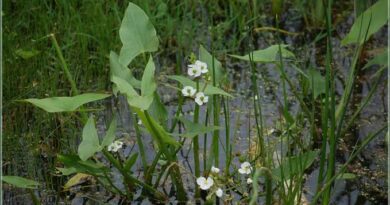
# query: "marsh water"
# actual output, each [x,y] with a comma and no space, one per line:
[370,168]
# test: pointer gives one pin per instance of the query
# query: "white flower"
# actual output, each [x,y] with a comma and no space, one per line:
[214,170]
[194,70]
[188,91]
[204,183]
[219,192]
[115,146]
[246,168]
[200,98]
[139,122]
[249,181]
[202,66]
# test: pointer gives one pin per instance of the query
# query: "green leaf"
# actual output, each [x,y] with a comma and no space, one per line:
[294,165]
[380,59]
[76,180]
[67,171]
[158,133]
[90,142]
[206,57]
[74,163]
[110,134]
[20,182]
[137,34]
[65,104]
[210,90]
[26,54]
[268,55]
[157,110]
[346,176]
[148,86]
[130,161]
[368,23]
[194,129]
[135,100]
[120,71]
[317,82]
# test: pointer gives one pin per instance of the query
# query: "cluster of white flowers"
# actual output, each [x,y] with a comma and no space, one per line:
[115,146]
[195,70]
[207,183]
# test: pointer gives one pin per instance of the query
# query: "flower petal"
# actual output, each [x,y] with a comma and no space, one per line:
[219,192]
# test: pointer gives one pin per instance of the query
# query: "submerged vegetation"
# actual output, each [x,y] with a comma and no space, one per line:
[177,109]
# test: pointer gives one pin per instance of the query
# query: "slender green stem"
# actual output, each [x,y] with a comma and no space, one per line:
[75,91]
[195,142]
[140,143]
[130,180]
[331,109]
[33,197]
[354,154]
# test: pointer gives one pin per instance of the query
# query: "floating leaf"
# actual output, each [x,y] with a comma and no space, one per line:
[210,90]
[65,104]
[194,129]
[270,54]
[368,23]
[110,134]
[137,34]
[206,57]
[90,142]
[26,54]
[294,165]
[20,182]
[76,180]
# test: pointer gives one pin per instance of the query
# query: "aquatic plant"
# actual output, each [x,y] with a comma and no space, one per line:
[278,165]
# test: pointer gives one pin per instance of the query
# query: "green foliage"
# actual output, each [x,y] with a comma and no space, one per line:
[194,129]
[65,104]
[206,57]
[268,55]
[90,142]
[26,54]
[110,134]
[368,23]
[74,164]
[317,82]
[20,182]
[380,59]
[148,86]
[137,34]
[120,71]
[158,133]
[210,90]
[135,100]
[294,165]
[130,162]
